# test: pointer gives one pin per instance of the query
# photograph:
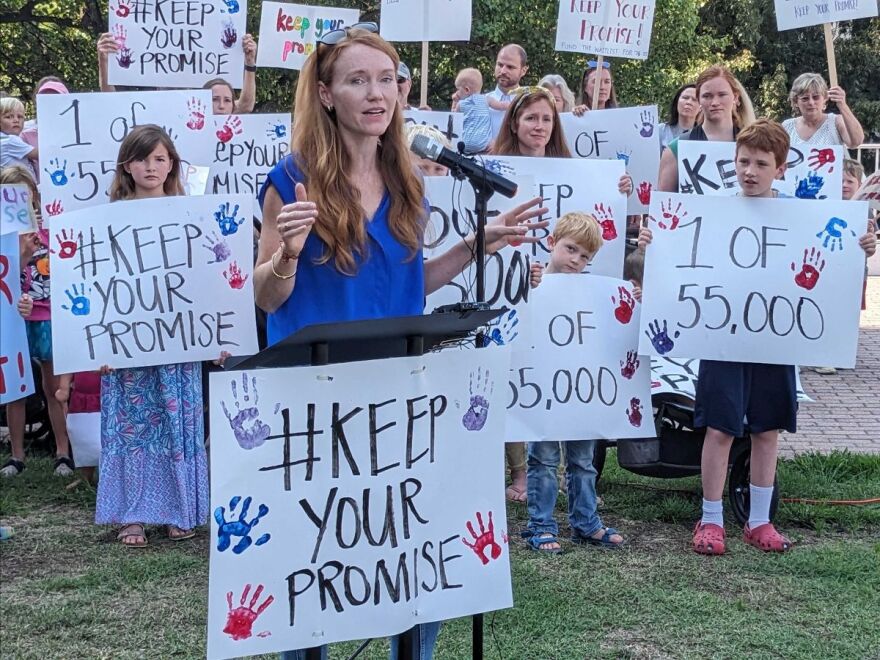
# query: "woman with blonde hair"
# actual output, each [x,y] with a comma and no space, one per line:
[557,86]
[809,98]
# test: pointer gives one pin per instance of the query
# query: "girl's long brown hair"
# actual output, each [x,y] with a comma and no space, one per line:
[321,156]
[507,144]
[744,111]
[140,144]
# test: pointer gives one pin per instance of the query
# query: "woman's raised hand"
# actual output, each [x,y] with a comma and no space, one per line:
[295,221]
[511,228]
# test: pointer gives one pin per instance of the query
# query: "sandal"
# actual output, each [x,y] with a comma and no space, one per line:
[603,541]
[12,468]
[132,530]
[766,538]
[709,539]
[177,534]
[537,540]
[63,466]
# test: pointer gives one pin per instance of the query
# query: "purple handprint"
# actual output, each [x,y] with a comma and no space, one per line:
[229,36]
[646,129]
[218,247]
[249,430]
[124,58]
[478,411]
[660,338]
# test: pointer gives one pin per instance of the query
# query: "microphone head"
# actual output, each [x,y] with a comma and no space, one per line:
[425,147]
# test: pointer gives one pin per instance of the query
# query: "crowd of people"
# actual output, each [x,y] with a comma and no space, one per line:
[342,235]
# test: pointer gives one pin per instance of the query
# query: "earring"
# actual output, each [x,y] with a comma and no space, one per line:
[330,108]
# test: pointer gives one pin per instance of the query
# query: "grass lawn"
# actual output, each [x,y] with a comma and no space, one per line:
[68,590]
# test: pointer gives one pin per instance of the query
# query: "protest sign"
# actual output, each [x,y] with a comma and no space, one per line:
[153,281]
[177,44]
[775,281]
[678,376]
[870,191]
[627,134]
[580,376]
[425,20]
[288,32]
[17,209]
[80,136]
[379,507]
[246,148]
[16,377]
[791,14]
[604,27]
[707,168]
[447,122]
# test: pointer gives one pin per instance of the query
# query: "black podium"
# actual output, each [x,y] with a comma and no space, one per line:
[354,341]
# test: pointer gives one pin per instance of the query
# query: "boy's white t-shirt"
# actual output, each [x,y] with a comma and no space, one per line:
[14,151]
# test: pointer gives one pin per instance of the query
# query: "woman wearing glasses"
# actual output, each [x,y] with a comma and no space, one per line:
[344,214]
[607,95]
[809,98]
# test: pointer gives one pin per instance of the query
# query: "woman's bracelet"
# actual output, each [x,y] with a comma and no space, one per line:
[285,255]
[279,275]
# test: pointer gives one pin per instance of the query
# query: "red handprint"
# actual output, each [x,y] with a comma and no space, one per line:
[122,9]
[624,310]
[120,35]
[196,121]
[54,208]
[485,539]
[812,266]
[819,158]
[67,244]
[629,367]
[240,621]
[644,192]
[606,221]
[234,276]
[671,218]
[230,128]
[634,412]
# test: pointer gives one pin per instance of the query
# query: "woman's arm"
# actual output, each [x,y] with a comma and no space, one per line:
[667,179]
[851,131]
[248,97]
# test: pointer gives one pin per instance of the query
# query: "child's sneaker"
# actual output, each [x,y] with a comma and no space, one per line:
[766,538]
[709,539]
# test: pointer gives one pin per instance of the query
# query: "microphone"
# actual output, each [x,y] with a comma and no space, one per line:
[425,147]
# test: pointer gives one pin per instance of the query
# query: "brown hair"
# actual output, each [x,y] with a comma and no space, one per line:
[321,156]
[585,95]
[582,228]
[634,267]
[220,81]
[854,169]
[137,145]
[743,111]
[765,135]
[507,144]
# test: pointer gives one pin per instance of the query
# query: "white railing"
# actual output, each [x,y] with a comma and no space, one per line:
[869,147]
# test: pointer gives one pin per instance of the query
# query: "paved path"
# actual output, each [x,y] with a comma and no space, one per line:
[846,412]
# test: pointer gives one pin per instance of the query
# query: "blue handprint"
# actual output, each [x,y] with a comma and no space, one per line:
[276,131]
[833,234]
[231,6]
[58,172]
[624,155]
[502,330]
[79,304]
[497,166]
[228,223]
[660,338]
[241,527]
[809,187]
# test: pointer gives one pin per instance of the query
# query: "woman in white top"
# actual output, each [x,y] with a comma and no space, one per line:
[809,96]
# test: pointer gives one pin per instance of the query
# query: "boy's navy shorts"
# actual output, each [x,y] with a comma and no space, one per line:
[736,398]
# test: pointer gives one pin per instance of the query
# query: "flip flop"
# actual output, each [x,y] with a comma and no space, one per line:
[515,494]
[603,541]
[181,535]
[127,532]
[538,539]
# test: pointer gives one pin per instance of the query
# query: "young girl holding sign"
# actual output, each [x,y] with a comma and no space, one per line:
[153,463]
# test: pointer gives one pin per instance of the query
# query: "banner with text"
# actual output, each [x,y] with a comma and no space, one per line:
[791,14]
[447,122]
[378,507]
[580,377]
[604,27]
[17,209]
[288,32]
[425,20]
[16,376]
[153,281]
[708,168]
[776,281]
[80,136]
[177,44]
[627,134]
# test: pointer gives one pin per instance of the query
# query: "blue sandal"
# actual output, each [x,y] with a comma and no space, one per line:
[603,541]
[537,539]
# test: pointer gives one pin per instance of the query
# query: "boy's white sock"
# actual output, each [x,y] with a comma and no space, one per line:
[759,505]
[713,513]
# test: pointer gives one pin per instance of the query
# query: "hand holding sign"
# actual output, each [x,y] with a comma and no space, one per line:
[295,221]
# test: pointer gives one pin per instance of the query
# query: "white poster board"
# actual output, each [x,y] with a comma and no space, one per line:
[627,134]
[16,376]
[776,281]
[792,14]
[870,191]
[177,44]
[392,493]
[289,32]
[80,136]
[154,281]
[17,209]
[708,168]
[580,376]
[246,148]
[425,20]
[613,28]
[451,124]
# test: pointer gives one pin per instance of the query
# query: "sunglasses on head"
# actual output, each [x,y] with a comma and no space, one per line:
[594,64]
[335,36]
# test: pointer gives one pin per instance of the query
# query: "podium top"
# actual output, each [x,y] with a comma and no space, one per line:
[352,341]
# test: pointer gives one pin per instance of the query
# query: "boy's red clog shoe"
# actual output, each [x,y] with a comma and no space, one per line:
[766,538]
[709,539]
